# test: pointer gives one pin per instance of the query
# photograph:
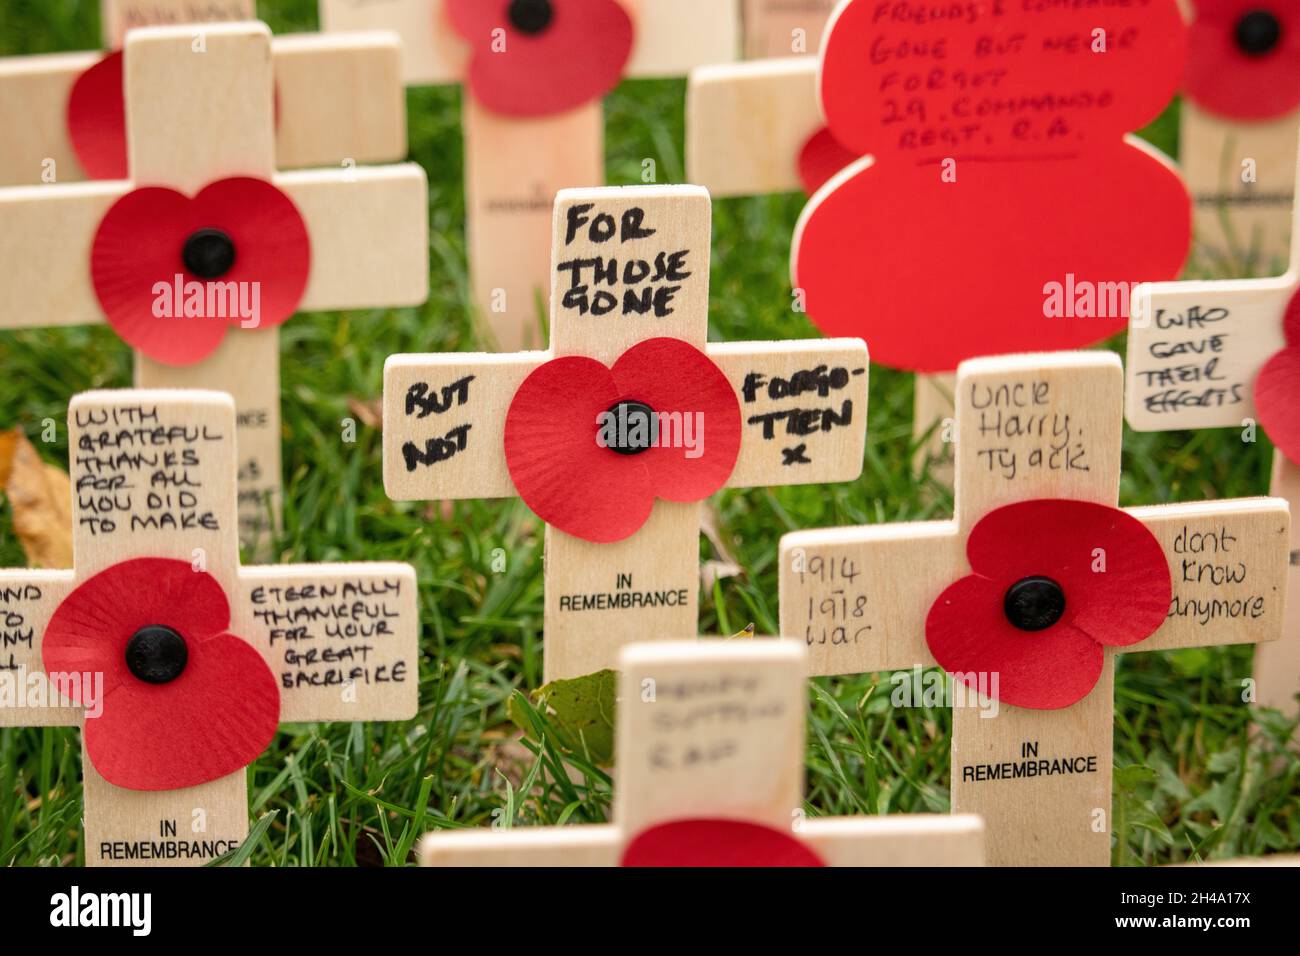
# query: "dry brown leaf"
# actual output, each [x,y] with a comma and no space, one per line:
[41,498]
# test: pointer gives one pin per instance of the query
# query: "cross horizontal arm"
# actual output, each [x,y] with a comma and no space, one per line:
[529,846]
[1228,561]
[673,36]
[369,232]
[444,422]
[341,639]
[28,599]
[859,596]
[34,93]
[1194,349]
[746,124]
[899,840]
[338,98]
[432,53]
[803,409]
[47,232]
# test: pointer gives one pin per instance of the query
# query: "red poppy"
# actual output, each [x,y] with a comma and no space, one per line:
[821,157]
[1053,583]
[172,273]
[184,701]
[1244,58]
[96,118]
[717,843]
[539,57]
[604,492]
[1277,388]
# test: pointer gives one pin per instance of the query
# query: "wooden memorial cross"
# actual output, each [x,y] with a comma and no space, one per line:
[177,662]
[1221,354]
[339,99]
[1239,129]
[535,74]
[726,790]
[631,291]
[1027,595]
[923,160]
[233,251]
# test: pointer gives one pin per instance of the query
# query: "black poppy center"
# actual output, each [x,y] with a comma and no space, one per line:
[530,16]
[631,428]
[1034,603]
[208,253]
[156,654]
[1257,33]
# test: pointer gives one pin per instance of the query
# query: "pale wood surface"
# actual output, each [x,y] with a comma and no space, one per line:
[770,24]
[432,53]
[513,169]
[118,16]
[28,598]
[1277,665]
[1232,217]
[339,97]
[818,437]
[932,406]
[246,365]
[1033,426]
[444,417]
[34,93]
[747,122]
[714,729]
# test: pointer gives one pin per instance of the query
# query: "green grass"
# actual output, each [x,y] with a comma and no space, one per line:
[1197,772]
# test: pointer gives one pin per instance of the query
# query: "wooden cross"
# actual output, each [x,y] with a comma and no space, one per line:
[802,409]
[1035,427]
[514,166]
[193,118]
[1195,349]
[746,765]
[339,99]
[153,475]
[1236,149]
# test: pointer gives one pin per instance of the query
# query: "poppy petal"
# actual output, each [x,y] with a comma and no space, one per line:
[821,157]
[212,720]
[1224,79]
[158,306]
[969,635]
[1277,393]
[96,119]
[558,468]
[90,628]
[731,843]
[577,57]
[673,376]
[1111,567]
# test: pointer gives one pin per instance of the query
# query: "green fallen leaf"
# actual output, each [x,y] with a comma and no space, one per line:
[579,713]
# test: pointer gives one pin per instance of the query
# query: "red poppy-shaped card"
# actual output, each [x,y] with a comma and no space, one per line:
[175,273]
[184,701]
[1243,59]
[542,57]
[1053,583]
[994,165]
[1277,388]
[581,438]
[729,843]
